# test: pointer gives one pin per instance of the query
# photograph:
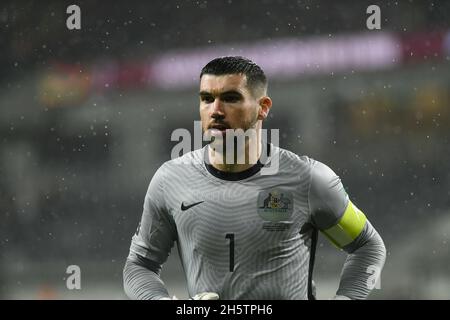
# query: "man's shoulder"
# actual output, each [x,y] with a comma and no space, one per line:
[188,160]
[303,164]
[293,159]
[322,178]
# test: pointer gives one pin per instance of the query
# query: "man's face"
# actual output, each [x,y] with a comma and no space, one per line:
[227,103]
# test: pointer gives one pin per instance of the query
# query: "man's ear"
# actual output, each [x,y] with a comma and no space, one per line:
[265,103]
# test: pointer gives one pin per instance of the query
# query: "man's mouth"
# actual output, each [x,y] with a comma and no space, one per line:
[219,127]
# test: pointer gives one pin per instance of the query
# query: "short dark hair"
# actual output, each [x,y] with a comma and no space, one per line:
[235,65]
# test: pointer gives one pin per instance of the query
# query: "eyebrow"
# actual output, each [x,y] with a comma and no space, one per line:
[229,92]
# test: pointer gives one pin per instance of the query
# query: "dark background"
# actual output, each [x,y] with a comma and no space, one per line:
[84,124]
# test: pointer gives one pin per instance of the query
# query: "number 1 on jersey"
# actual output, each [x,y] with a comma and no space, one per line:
[231,237]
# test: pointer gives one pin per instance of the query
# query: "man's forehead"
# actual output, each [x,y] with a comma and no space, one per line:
[217,84]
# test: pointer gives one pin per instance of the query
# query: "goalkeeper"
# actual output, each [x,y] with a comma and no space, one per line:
[242,234]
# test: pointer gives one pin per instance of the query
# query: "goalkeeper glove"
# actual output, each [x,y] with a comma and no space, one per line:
[198,296]
[168,298]
[339,297]
[206,296]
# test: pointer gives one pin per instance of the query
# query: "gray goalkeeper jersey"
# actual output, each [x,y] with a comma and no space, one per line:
[243,235]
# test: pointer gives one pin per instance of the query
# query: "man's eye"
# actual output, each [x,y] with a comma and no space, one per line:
[207,99]
[231,99]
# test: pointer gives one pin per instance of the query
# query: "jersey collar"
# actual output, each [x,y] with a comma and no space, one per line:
[235,176]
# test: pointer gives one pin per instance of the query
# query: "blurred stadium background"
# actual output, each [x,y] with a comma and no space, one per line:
[86,118]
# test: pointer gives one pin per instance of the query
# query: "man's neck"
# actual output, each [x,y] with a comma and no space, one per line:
[239,163]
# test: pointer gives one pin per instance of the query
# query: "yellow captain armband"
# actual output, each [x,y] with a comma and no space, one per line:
[348,228]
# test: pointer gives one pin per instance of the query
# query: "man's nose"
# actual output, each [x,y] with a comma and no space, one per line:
[217,109]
